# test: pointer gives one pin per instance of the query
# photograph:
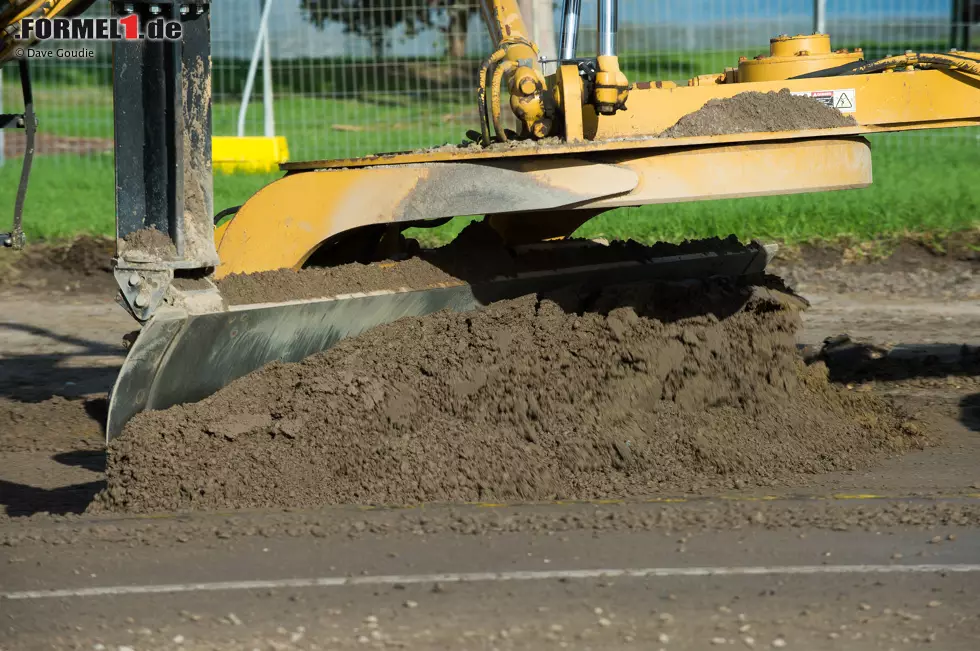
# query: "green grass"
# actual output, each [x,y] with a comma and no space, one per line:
[922,184]
[68,196]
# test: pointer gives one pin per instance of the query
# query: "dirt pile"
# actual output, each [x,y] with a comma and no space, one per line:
[624,392]
[81,264]
[758,112]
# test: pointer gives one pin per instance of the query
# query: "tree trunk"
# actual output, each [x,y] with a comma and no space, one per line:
[459,18]
[377,44]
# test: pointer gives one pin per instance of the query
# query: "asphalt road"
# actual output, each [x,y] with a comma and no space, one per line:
[670,583]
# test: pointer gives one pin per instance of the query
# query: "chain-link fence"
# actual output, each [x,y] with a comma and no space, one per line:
[357,76]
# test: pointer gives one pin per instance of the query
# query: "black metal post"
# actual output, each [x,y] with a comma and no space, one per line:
[161,96]
[164,180]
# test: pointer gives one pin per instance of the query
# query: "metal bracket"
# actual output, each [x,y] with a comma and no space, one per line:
[141,292]
[13,121]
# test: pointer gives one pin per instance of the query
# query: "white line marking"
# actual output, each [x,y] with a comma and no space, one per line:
[341,581]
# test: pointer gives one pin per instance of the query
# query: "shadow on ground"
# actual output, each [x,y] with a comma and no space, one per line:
[23,500]
[970,411]
[850,361]
[40,376]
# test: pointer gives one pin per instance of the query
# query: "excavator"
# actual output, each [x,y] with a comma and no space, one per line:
[550,152]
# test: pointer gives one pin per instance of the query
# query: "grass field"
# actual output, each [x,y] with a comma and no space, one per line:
[919,187]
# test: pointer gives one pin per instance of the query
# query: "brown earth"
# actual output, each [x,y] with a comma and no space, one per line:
[923,269]
[56,424]
[567,396]
[937,268]
[82,264]
[476,255]
[758,112]
[272,286]
[150,240]
[15,142]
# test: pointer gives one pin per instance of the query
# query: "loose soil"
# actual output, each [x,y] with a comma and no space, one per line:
[82,264]
[758,112]
[56,424]
[942,268]
[150,240]
[476,255]
[570,395]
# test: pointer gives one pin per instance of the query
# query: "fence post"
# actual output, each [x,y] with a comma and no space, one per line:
[267,98]
[253,66]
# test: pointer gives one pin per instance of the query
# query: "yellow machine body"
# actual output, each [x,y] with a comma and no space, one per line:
[790,56]
[606,161]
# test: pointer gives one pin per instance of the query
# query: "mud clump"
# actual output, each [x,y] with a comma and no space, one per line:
[150,241]
[627,391]
[753,112]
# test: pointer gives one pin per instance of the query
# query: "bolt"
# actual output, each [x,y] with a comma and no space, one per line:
[527,86]
[184,10]
[129,8]
[134,279]
[154,9]
[141,300]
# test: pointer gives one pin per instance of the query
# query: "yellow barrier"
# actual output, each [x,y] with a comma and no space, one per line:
[248,154]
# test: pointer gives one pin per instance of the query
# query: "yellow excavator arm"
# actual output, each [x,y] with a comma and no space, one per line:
[586,99]
[537,102]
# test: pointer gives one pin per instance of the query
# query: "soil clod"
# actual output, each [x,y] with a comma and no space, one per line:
[753,112]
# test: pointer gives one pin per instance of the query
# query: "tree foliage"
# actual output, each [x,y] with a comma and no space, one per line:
[374,19]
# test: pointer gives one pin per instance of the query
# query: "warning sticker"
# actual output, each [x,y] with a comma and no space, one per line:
[844,100]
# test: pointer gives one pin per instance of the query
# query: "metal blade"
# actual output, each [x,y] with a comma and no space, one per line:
[181,357]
